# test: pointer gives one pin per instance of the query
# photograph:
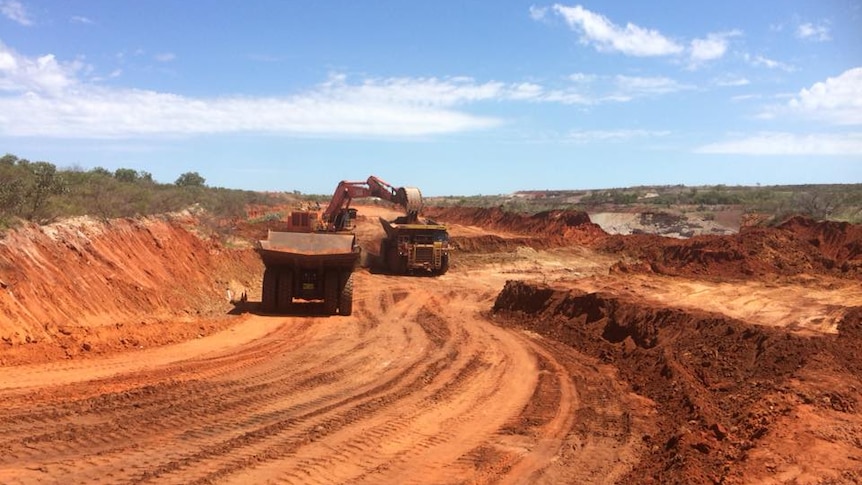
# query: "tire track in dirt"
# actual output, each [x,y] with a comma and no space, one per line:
[418,386]
[396,444]
[180,406]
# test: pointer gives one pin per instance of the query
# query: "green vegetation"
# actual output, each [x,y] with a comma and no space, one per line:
[842,202]
[40,192]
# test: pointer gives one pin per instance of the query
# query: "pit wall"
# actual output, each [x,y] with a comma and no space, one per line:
[720,385]
[89,273]
[797,246]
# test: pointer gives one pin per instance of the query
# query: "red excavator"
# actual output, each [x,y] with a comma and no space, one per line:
[338,216]
[411,245]
[316,259]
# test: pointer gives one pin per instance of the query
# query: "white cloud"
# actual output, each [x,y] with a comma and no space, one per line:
[592,89]
[41,75]
[713,47]
[837,100]
[812,32]
[761,61]
[580,77]
[526,91]
[77,19]
[790,144]
[419,91]
[106,113]
[609,136]
[648,85]
[598,30]
[731,81]
[571,96]
[165,57]
[745,97]
[15,11]
[43,97]
[538,13]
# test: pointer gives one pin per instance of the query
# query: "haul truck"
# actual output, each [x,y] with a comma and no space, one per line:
[411,245]
[308,266]
[315,260]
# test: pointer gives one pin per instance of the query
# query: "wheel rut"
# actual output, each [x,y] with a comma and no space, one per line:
[417,386]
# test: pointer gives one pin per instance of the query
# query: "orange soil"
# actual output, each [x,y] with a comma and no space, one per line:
[550,353]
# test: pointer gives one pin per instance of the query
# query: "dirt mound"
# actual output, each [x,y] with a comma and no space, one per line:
[495,244]
[556,228]
[799,246]
[839,241]
[720,385]
[69,288]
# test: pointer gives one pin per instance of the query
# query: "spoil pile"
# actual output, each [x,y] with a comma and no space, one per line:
[546,229]
[75,287]
[797,246]
[720,385]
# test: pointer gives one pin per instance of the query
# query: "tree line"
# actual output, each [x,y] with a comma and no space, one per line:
[40,192]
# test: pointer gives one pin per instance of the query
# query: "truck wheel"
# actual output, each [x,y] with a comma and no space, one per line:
[330,292]
[396,263]
[285,291]
[269,293]
[444,264]
[382,255]
[345,302]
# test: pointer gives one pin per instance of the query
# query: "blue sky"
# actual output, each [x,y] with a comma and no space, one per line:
[457,98]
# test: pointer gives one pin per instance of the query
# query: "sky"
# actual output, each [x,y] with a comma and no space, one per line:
[454,97]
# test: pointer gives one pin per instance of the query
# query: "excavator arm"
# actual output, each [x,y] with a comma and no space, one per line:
[410,198]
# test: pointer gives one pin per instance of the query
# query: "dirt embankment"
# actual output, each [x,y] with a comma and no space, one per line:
[721,385]
[798,246]
[544,229]
[70,288]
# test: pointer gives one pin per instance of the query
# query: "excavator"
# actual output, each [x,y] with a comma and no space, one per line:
[411,245]
[315,258]
[338,215]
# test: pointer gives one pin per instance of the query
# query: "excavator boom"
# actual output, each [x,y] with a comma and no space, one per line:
[336,214]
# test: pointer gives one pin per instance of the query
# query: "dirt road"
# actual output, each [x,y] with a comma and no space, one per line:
[533,360]
[416,387]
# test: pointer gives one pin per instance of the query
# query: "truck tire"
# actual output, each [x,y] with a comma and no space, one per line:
[330,292]
[269,293]
[285,291]
[395,262]
[444,264]
[382,255]
[345,301]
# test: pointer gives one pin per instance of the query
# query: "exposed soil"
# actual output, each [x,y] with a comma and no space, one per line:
[552,352]
[721,385]
[798,246]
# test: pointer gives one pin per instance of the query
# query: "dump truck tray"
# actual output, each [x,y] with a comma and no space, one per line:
[309,249]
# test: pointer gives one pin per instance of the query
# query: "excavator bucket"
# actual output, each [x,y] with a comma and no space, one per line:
[412,199]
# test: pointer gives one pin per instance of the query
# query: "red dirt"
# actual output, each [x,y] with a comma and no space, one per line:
[611,359]
[798,246]
[551,228]
[720,384]
[73,288]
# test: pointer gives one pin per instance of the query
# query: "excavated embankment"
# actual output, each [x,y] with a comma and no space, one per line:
[69,288]
[798,246]
[545,229]
[719,384]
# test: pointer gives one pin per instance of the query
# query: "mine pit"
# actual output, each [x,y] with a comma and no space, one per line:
[550,352]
